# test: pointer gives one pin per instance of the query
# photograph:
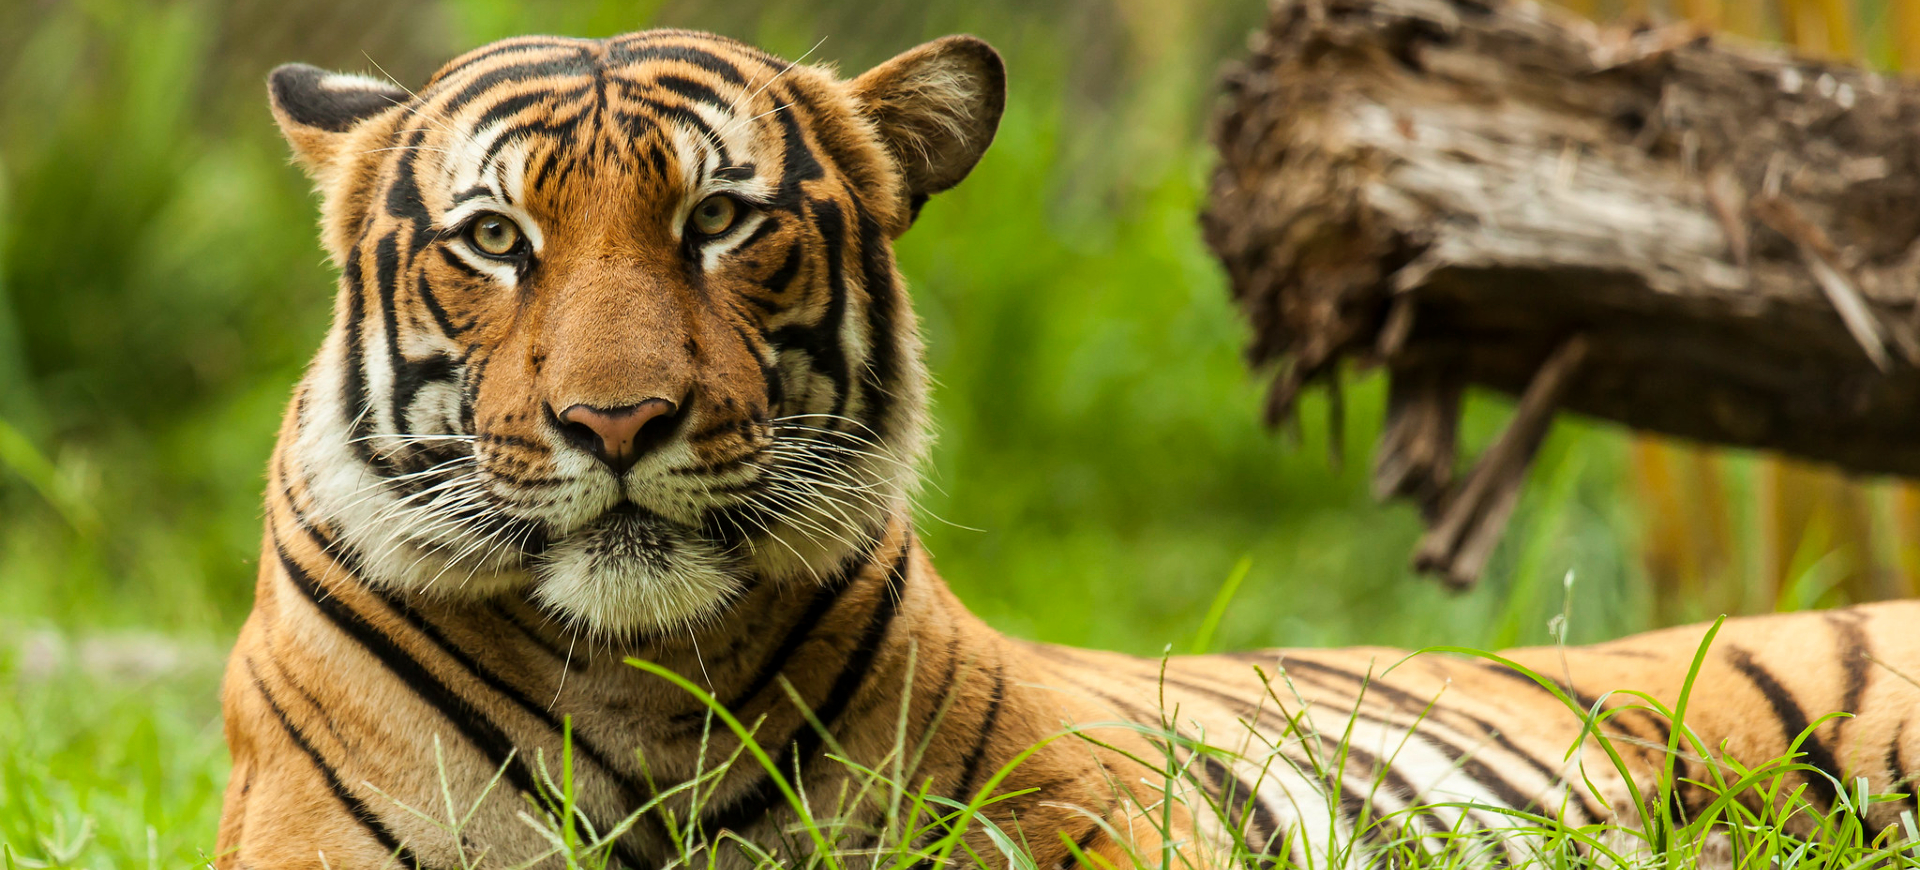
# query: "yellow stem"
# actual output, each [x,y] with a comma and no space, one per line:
[1906,33]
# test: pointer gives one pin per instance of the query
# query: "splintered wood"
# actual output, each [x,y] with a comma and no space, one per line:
[1649,226]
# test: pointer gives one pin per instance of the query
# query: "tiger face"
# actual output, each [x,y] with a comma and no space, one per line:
[618,324]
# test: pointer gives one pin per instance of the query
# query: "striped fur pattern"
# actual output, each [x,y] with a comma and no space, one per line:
[453,572]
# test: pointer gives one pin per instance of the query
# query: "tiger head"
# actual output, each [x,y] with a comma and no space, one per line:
[619,326]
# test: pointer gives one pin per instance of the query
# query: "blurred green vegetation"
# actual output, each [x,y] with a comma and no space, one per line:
[1100,468]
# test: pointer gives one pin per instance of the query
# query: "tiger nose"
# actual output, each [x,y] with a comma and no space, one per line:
[619,436]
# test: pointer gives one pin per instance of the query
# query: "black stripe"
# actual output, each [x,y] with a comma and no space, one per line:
[1235,796]
[801,631]
[1793,721]
[434,309]
[657,114]
[412,376]
[543,171]
[1085,841]
[1375,767]
[782,278]
[1852,651]
[633,786]
[539,639]
[1411,703]
[821,341]
[1397,785]
[576,65]
[355,401]
[1897,770]
[355,807]
[553,130]
[769,224]
[517,45]
[691,91]
[1265,827]
[475,726]
[853,164]
[386,262]
[666,35]
[403,200]
[881,374]
[1662,729]
[797,164]
[656,155]
[513,104]
[350,563]
[470,392]
[983,735]
[1227,789]
[627,53]
[454,262]
[948,688]
[805,741]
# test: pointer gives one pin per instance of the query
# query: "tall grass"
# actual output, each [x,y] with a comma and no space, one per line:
[881,815]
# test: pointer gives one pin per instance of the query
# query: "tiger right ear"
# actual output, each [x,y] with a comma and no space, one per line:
[936,107]
[317,109]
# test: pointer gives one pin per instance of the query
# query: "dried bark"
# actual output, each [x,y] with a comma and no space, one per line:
[1455,189]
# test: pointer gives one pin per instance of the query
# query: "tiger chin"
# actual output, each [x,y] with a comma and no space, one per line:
[621,366]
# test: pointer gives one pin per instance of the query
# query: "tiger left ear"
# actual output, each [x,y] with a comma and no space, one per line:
[936,108]
[317,109]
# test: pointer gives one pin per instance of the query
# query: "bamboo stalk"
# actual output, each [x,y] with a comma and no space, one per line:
[1757,20]
[1906,538]
[1588,8]
[1705,13]
[1836,20]
[1687,543]
[1906,32]
[1807,507]
[1904,17]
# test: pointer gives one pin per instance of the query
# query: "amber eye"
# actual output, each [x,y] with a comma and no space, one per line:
[494,235]
[714,215]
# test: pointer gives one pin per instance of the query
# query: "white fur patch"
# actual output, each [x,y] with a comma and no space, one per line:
[631,572]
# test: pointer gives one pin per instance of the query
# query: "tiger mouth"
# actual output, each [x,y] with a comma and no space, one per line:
[626,508]
[628,531]
[632,529]
[633,569]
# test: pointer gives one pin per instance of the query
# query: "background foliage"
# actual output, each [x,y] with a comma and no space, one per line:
[1099,473]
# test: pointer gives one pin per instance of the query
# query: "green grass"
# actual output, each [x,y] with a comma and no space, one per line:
[105,772]
[1099,470]
[155,780]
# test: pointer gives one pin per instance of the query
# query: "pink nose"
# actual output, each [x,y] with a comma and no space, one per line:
[619,436]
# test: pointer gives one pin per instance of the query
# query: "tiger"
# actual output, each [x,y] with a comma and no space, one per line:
[590,527]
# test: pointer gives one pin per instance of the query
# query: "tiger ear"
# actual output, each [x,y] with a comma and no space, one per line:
[317,109]
[936,108]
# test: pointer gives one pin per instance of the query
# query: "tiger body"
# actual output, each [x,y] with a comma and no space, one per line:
[621,368]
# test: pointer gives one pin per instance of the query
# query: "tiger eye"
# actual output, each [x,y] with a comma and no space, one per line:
[495,235]
[715,215]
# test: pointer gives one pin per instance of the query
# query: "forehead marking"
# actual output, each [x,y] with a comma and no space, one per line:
[627,56]
[674,89]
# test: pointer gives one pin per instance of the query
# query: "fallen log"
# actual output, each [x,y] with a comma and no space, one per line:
[1460,191]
